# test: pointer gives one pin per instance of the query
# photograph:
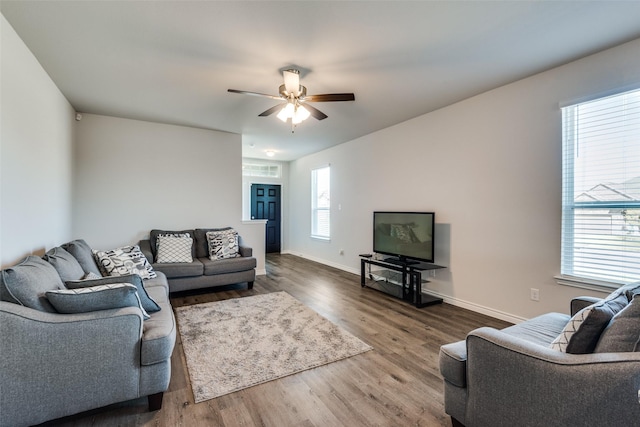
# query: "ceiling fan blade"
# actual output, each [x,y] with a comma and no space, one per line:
[330,97]
[292,81]
[244,92]
[270,111]
[315,112]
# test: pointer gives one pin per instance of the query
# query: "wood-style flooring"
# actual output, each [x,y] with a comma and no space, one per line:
[396,384]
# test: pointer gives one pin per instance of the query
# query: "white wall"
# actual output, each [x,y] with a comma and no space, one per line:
[489,166]
[35,154]
[132,176]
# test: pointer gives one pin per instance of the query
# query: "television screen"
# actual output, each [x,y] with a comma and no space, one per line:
[405,235]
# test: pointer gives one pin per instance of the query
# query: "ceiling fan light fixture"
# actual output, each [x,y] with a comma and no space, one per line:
[287,112]
[301,114]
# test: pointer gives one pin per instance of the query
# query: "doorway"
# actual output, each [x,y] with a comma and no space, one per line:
[265,204]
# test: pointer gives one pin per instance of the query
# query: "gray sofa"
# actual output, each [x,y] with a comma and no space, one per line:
[55,364]
[202,272]
[552,370]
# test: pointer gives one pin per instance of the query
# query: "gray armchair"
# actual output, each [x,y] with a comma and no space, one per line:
[512,377]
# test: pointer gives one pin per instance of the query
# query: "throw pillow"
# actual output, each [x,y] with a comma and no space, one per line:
[223,244]
[201,243]
[94,298]
[173,249]
[153,239]
[123,261]
[65,264]
[90,276]
[27,283]
[148,303]
[623,332]
[82,252]
[582,332]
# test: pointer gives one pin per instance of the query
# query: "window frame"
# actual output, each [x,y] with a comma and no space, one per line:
[569,240]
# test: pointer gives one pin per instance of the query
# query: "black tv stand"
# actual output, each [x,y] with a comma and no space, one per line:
[400,261]
[408,288]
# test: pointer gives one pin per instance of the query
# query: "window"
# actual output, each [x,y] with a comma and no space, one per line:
[262,170]
[321,203]
[601,190]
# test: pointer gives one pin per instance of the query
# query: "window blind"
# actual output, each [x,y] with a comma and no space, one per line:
[601,189]
[321,202]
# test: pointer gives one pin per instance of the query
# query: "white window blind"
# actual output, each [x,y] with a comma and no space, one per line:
[321,202]
[601,190]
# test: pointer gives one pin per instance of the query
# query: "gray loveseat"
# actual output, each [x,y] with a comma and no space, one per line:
[55,364]
[552,370]
[201,272]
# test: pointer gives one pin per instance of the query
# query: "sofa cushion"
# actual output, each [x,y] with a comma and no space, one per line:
[159,334]
[160,281]
[95,298]
[223,244]
[172,249]
[202,244]
[181,269]
[124,260]
[147,302]
[582,332]
[229,265]
[27,283]
[153,239]
[623,332]
[66,265]
[82,252]
[541,329]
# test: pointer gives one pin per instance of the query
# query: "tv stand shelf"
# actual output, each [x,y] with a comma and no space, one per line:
[408,287]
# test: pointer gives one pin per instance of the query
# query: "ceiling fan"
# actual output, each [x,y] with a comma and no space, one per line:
[296,101]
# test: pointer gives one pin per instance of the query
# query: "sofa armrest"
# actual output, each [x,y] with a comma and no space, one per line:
[66,363]
[245,251]
[579,303]
[145,248]
[511,381]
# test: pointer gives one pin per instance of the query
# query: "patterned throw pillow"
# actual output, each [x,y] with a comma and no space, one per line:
[172,249]
[94,298]
[223,244]
[123,261]
[582,333]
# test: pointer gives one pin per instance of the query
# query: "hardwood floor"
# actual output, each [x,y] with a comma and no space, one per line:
[396,384]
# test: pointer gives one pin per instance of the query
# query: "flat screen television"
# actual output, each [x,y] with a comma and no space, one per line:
[406,236]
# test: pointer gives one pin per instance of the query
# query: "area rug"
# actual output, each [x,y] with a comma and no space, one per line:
[238,343]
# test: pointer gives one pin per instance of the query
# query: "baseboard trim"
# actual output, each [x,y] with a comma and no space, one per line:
[487,311]
[261,272]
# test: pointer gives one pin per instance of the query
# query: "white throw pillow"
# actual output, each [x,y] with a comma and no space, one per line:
[173,249]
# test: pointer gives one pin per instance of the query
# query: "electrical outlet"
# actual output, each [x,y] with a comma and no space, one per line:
[341,252]
[535,294]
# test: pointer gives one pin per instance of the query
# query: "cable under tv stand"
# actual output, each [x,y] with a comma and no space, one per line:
[408,287]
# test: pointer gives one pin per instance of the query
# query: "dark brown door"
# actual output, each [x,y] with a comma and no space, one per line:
[265,204]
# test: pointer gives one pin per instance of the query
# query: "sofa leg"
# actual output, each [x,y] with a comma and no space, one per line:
[456,423]
[155,401]
[250,285]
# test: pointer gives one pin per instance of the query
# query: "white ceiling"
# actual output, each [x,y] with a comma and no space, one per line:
[173,61]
